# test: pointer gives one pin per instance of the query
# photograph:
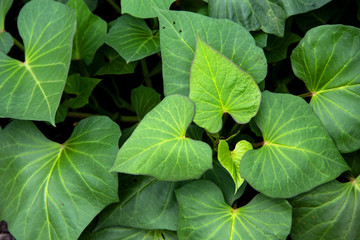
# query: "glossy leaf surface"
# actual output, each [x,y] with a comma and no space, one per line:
[181,29]
[132,38]
[144,8]
[203,214]
[297,155]
[32,89]
[62,186]
[331,211]
[327,60]
[165,153]
[219,86]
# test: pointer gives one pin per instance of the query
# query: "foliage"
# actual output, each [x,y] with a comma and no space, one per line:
[239,119]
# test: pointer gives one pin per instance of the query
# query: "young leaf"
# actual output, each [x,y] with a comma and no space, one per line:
[132,38]
[297,155]
[90,32]
[32,89]
[143,99]
[327,60]
[136,194]
[144,8]
[158,147]
[230,160]
[6,40]
[62,186]
[218,86]
[331,211]
[178,33]
[204,215]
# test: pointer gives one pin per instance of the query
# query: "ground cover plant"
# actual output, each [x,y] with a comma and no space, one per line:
[163,119]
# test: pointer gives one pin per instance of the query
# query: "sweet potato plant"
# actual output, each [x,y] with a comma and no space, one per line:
[188,119]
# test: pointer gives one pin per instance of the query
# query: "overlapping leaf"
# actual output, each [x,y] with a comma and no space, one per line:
[32,89]
[331,211]
[132,38]
[297,155]
[51,190]
[204,215]
[327,60]
[218,86]
[136,194]
[143,99]
[165,152]
[6,40]
[144,8]
[178,33]
[90,32]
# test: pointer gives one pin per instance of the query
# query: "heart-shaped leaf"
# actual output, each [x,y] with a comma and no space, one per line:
[132,38]
[327,60]
[144,8]
[331,211]
[32,89]
[298,154]
[219,86]
[51,190]
[158,147]
[204,215]
[178,33]
[230,160]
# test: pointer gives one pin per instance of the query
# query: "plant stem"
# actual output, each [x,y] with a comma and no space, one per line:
[78,115]
[18,44]
[259,144]
[129,119]
[119,102]
[305,95]
[114,5]
[145,71]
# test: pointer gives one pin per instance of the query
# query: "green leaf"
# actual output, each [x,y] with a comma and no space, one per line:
[144,8]
[331,211]
[260,38]
[165,152]
[178,33]
[121,233]
[6,42]
[204,215]
[143,99]
[82,87]
[230,160]
[116,65]
[51,190]
[38,82]
[297,155]
[327,60]
[4,8]
[195,132]
[132,38]
[276,49]
[136,194]
[91,4]
[219,86]
[90,32]
[353,160]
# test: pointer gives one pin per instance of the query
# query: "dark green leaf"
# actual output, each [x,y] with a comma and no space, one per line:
[276,48]
[195,132]
[353,160]
[260,38]
[143,99]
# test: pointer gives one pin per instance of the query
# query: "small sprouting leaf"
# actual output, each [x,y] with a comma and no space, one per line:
[298,154]
[144,8]
[230,160]
[158,147]
[136,194]
[181,29]
[132,38]
[38,82]
[327,60]
[331,211]
[203,214]
[63,186]
[218,86]
[90,32]
[143,99]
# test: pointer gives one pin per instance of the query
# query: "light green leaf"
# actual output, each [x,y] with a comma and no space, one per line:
[90,32]
[297,155]
[32,89]
[165,152]
[178,33]
[6,42]
[144,8]
[121,233]
[51,190]
[230,160]
[132,38]
[136,194]
[331,211]
[219,86]
[327,60]
[143,99]
[204,215]
[276,49]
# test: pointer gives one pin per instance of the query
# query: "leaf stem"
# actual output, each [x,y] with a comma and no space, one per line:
[259,144]
[129,119]
[305,95]
[114,5]
[145,71]
[79,115]
[18,44]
